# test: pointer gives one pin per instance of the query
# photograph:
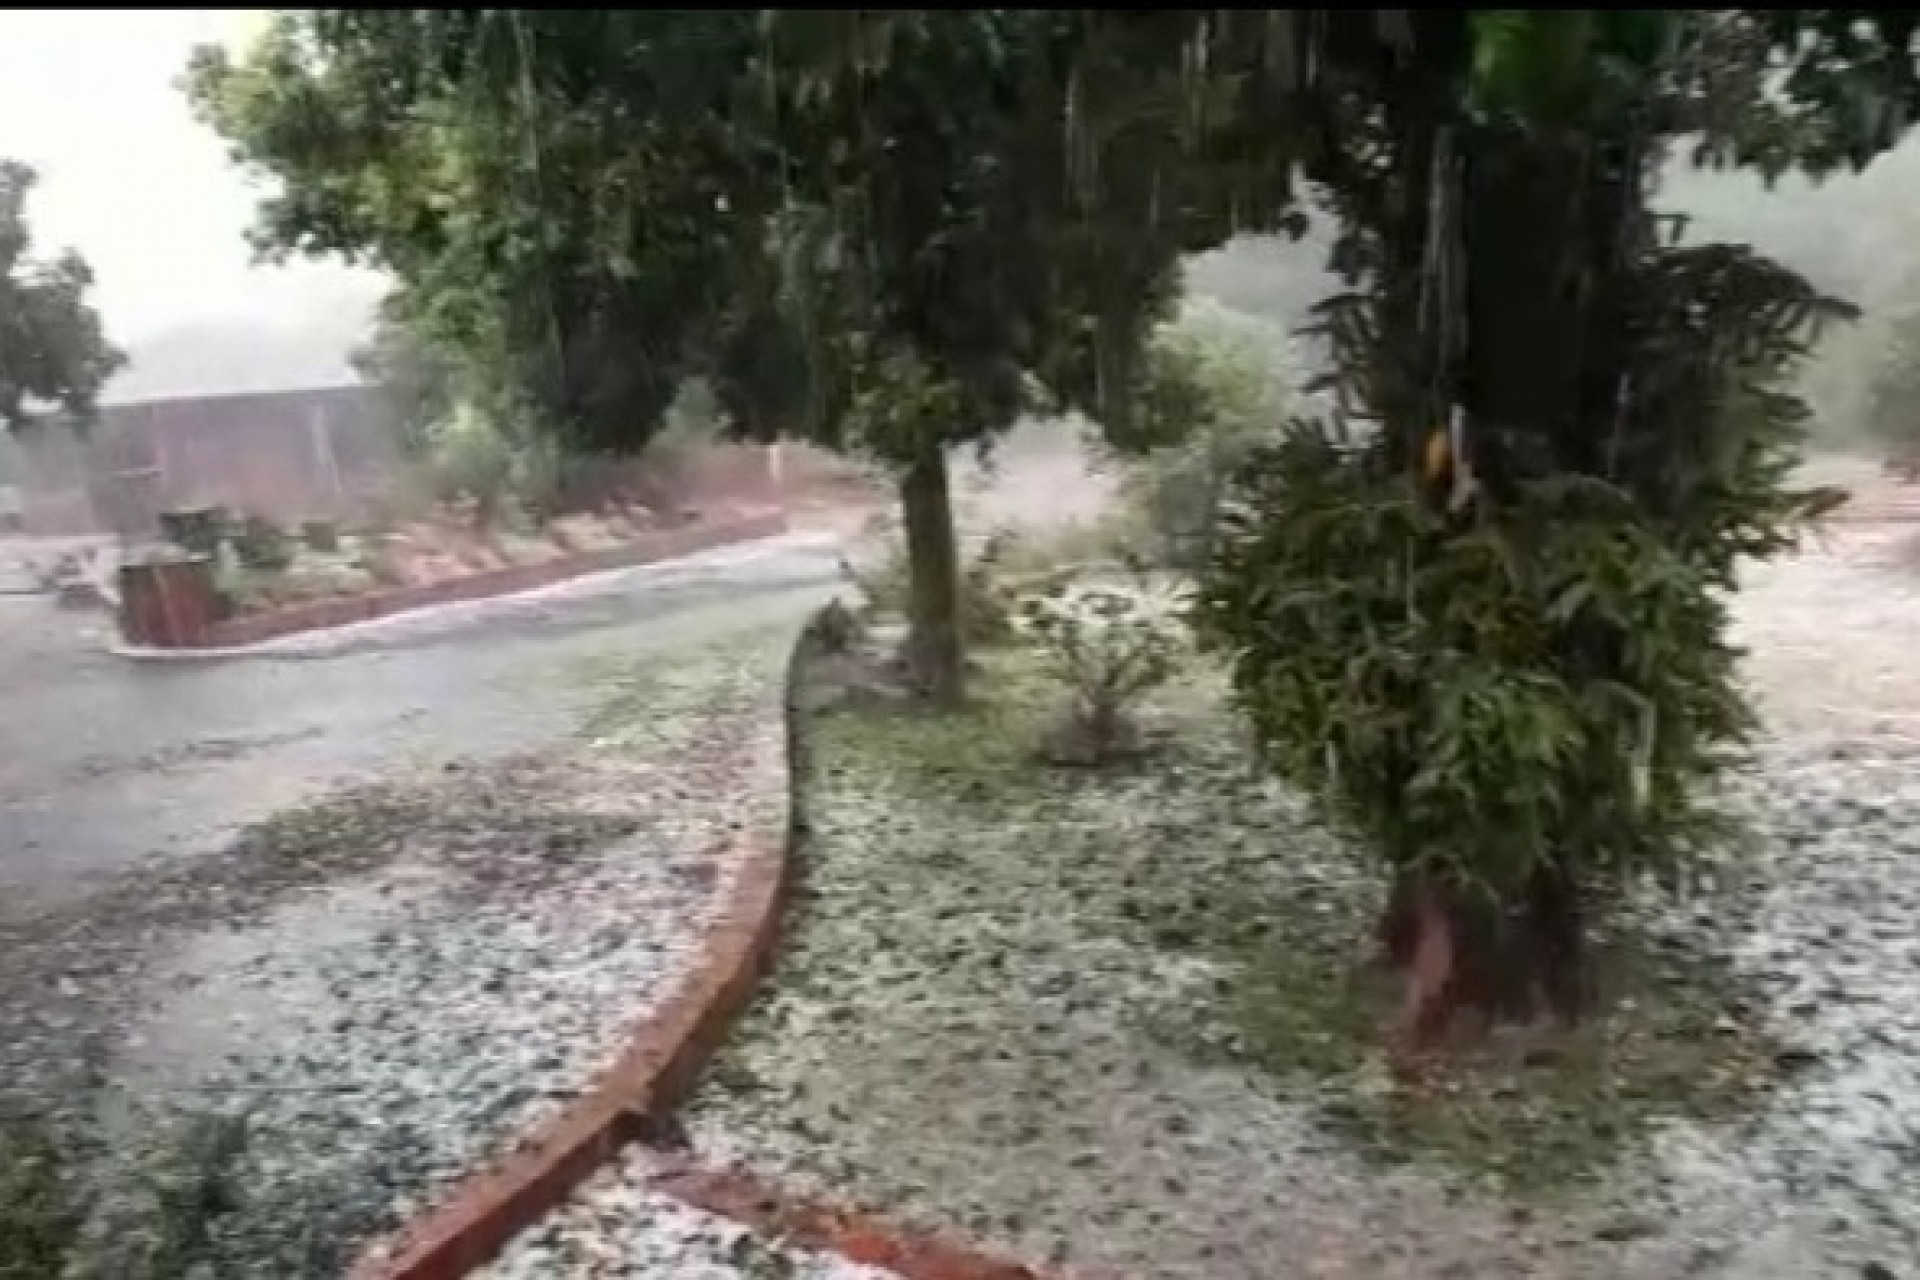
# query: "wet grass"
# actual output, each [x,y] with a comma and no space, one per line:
[1535,1111]
[1190,853]
[158,1220]
[39,1209]
[144,1204]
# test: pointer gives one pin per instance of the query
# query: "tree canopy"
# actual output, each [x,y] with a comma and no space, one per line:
[872,228]
[54,354]
[550,189]
[1478,617]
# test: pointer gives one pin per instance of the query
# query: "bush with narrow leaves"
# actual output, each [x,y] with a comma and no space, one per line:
[1473,700]
[1110,644]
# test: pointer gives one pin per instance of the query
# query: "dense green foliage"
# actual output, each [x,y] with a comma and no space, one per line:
[63,1214]
[38,1214]
[1547,683]
[551,189]
[876,229]
[1478,615]
[54,355]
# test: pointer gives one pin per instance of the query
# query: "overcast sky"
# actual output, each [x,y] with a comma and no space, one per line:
[89,98]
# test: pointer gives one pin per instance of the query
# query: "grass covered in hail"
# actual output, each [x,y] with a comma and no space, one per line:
[1023,1000]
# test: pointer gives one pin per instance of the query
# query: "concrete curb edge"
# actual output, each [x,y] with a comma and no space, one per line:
[664,1055]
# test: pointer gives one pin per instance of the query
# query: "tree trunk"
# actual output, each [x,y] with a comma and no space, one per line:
[1398,930]
[1545,225]
[1463,955]
[936,658]
[1557,920]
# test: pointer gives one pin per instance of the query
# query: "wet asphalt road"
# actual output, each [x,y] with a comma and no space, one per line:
[105,761]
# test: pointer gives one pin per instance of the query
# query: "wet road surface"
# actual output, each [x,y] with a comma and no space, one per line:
[104,761]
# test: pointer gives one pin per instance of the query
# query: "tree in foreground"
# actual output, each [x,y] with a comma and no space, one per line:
[913,277]
[1480,615]
[54,355]
[864,227]
[942,265]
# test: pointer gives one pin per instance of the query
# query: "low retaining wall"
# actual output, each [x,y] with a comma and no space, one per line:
[318,615]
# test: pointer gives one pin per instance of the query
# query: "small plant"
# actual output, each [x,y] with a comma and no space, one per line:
[321,535]
[154,1212]
[198,530]
[1111,644]
[183,1192]
[836,629]
[39,1211]
[260,544]
[985,604]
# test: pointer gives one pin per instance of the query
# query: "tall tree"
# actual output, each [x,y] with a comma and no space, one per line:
[1481,618]
[973,226]
[550,188]
[917,147]
[860,223]
[54,354]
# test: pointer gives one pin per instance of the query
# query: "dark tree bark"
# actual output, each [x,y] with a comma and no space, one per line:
[1398,929]
[1468,956]
[1546,226]
[935,655]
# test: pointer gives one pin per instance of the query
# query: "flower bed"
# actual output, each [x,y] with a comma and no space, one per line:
[194,628]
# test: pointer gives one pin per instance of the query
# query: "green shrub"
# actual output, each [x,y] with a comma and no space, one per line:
[1547,681]
[1216,391]
[467,454]
[476,454]
[1110,644]
[157,1221]
[40,1210]
[150,1216]
[198,530]
[260,544]
[321,535]
[691,424]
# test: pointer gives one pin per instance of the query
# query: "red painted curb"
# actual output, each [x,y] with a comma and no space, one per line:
[752,1202]
[318,615]
[664,1054]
